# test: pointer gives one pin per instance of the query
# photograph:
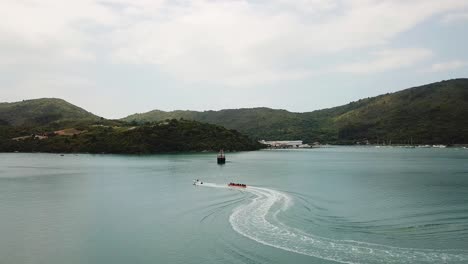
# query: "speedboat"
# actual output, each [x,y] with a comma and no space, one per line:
[238,185]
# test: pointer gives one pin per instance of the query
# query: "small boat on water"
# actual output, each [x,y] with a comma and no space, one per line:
[197,182]
[221,157]
[238,185]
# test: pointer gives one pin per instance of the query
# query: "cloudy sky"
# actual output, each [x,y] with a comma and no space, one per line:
[118,57]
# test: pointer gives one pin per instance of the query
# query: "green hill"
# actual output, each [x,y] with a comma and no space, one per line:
[166,136]
[433,113]
[429,114]
[260,123]
[43,111]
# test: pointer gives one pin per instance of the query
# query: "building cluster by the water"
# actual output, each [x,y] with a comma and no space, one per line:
[285,144]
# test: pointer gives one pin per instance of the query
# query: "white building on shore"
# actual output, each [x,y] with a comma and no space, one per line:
[285,144]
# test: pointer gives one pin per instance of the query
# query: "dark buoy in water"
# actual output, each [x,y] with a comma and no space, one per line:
[221,157]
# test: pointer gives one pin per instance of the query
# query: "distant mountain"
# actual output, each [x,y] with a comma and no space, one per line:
[54,125]
[257,122]
[43,111]
[429,114]
[433,113]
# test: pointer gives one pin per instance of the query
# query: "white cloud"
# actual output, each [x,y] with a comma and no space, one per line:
[49,31]
[237,41]
[387,60]
[447,66]
[455,18]
[226,41]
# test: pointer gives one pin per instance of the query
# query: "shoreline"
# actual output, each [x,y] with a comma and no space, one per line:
[459,146]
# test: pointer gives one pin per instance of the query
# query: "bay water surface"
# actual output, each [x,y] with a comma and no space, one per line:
[325,205]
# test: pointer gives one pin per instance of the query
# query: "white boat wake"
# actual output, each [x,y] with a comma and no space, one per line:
[258,221]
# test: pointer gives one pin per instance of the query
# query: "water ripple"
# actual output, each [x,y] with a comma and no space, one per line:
[258,221]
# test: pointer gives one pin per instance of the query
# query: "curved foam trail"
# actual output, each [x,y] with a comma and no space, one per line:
[257,220]
[213,185]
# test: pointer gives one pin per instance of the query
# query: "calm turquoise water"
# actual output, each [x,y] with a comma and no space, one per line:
[330,205]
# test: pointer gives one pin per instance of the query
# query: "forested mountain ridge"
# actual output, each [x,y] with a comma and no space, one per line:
[433,113]
[158,137]
[42,111]
[436,113]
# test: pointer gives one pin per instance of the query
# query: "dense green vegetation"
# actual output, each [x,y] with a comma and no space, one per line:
[259,123]
[39,112]
[429,114]
[165,136]
[435,113]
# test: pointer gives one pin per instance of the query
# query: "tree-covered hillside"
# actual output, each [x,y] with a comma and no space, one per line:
[165,136]
[41,112]
[260,123]
[433,113]
[430,114]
